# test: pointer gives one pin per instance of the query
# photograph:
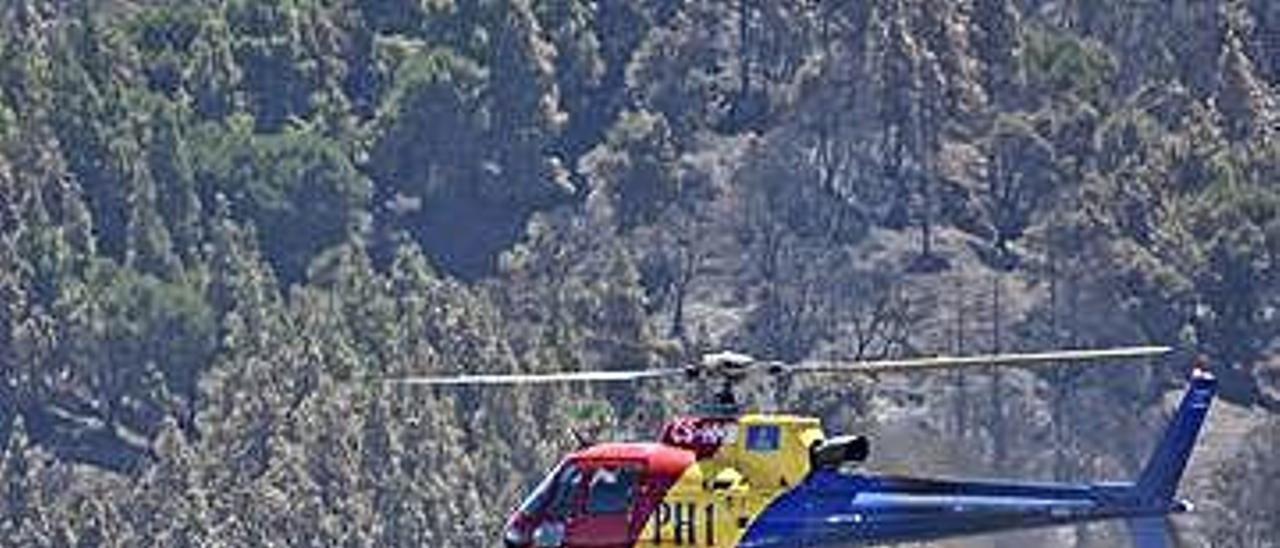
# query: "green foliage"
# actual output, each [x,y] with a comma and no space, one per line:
[459,141]
[298,188]
[88,123]
[1062,64]
[1021,175]
[636,168]
[224,222]
[214,74]
[142,327]
[673,73]
[391,16]
[166,38]
[277,76]
[7,123]
[580,69]
[434,125]
[1237,274]
[169,159]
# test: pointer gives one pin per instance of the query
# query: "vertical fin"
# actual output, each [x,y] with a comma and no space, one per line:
[1159,480]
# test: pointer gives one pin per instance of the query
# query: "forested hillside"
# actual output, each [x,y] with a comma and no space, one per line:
[224,223]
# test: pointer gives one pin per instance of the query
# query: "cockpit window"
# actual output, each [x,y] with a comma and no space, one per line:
[555,492]
[610,490]
[566,486]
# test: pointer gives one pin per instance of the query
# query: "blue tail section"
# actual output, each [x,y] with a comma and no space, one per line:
[1150,533]
[1159,480]
[839,508]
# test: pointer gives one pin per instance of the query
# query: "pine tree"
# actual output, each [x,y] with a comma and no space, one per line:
[168,504]
[148,245]
[525,102]
[947,34]
[1246,105]
[13,472]
[1020,173]
[169,163]
[98,145]
[580,71]
[997,45]
[278,76]
[899,96]
[215,77]
[1264,41]
[636,169]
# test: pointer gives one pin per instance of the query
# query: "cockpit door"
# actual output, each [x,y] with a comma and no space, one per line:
[604,516]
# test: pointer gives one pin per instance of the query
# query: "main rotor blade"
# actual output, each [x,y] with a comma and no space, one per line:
[980,361]
[538,378]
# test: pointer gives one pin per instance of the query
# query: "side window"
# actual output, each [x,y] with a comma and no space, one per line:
[611,490]
[566,489]
[763,438]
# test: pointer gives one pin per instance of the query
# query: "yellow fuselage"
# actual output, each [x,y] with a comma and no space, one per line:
[714,501]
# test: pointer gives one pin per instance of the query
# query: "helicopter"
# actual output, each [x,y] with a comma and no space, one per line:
[727,476]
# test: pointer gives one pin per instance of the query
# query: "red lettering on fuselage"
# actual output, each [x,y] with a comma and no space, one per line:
[701,435]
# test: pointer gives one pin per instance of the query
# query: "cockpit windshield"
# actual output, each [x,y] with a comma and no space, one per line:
[538,497]
[555,493]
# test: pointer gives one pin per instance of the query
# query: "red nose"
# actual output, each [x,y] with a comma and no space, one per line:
[519,531]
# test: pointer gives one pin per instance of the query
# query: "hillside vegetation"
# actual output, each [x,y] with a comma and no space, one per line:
[224,223]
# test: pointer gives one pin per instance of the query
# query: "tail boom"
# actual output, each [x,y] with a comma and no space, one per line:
[833,508]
